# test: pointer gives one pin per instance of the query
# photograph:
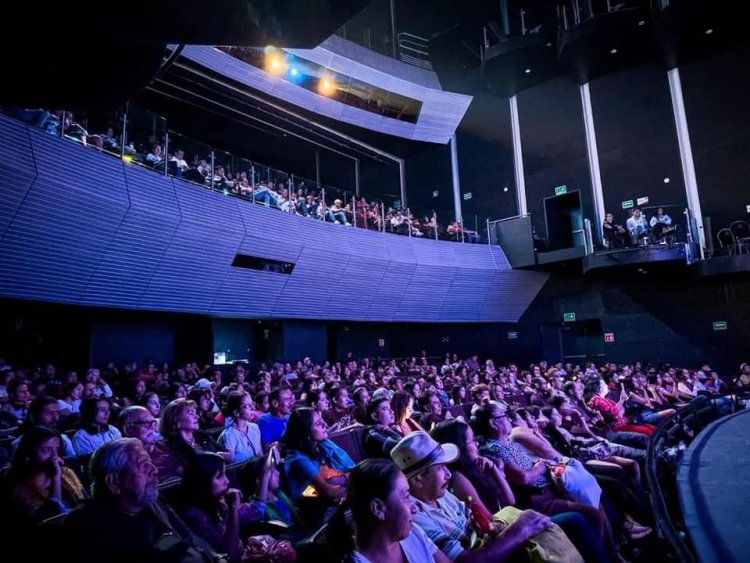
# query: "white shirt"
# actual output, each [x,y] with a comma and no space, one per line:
[240,445]
[417,548]
[85,443]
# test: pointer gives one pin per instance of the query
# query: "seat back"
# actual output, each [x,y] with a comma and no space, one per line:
[352,441]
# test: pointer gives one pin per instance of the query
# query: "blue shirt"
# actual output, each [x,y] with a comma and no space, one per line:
[271,428]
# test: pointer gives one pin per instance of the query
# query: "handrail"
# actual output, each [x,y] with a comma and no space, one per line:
[659,505]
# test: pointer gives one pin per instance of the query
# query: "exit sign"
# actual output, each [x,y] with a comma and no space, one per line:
[720,325]
[435,193]
[560,190]
[609,337]
[381,343]
[569,317]
[467,195]
[627,204]
[512,336]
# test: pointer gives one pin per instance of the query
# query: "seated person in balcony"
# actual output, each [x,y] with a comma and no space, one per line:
[637,226]
[614,235]
[265,194]
[336,213]
[155,158]
[660,217]
[178,165]
[222,181]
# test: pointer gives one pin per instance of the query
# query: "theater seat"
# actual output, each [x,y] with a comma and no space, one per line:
[352,441]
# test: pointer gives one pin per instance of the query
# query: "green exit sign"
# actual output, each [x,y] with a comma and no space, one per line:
[512,336]
[560,190]
[627,204]
[569,317]
[720,325]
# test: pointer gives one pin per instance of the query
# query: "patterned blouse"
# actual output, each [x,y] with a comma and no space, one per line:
[511,452]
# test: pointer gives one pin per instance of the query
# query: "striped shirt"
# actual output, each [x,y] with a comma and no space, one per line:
[446,524]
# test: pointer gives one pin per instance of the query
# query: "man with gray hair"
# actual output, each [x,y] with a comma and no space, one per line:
[137,422]
[125,521]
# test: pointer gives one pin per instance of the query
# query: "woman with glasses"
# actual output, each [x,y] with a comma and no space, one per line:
[39,484]
[95,428]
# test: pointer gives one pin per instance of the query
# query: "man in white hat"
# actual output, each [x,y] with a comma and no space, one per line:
[443,517]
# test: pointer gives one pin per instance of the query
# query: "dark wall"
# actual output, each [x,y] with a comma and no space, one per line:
[652,320]
[554,145]
[122,341]
[716,91]
[637,140]
[485,156]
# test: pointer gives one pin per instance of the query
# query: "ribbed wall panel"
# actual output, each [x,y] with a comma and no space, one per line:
[78,168]
[468,292]
[393,286]
[17,162]
[143,241]
[41,252]
[309,288]
[369,244]
[510,295]
[131,260]
[424,296]
[243,290]
[151,192]
[348,300]
[192,269]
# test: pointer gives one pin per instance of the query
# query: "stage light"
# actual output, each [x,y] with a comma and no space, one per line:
[505,189]
[293,71]
[613,52]
[275,62]
[326,86]
[709,31]
[667,180]
[642,22]
[527,71]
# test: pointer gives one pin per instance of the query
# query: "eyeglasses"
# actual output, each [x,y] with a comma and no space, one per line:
[151,422]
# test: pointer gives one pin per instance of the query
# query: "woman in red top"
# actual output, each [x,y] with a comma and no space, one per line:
[613,413]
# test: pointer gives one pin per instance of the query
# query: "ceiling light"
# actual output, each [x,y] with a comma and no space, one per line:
[709,31]
[549,44]
[642,22]
[527,71]
[505,189]
[613,52]
[667,180]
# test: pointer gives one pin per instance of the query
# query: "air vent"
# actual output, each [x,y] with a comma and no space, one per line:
[262,264]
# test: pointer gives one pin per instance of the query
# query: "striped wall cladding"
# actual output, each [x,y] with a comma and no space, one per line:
[79,227]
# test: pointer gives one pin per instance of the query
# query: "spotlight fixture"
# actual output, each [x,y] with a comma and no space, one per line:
[709,31]
[527,71]
[293,71]
[505,189]
[275,63]
[667,180]
[326,86]
[613,52]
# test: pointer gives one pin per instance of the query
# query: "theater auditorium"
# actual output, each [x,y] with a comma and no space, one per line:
[375,281]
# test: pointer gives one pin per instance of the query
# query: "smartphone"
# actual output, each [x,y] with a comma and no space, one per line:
[273,457]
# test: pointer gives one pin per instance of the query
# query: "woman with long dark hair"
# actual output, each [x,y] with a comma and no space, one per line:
[403,407]
[375,522]
[95,427]
[311,459]
[39,484]
[213,509]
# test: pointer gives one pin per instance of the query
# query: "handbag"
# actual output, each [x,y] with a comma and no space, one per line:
[549,546]
[572,477]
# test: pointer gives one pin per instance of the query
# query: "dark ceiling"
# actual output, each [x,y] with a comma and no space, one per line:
[84,55]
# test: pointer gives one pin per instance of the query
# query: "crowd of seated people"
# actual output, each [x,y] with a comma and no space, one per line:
[638,229]
[249,184]
[274,446]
